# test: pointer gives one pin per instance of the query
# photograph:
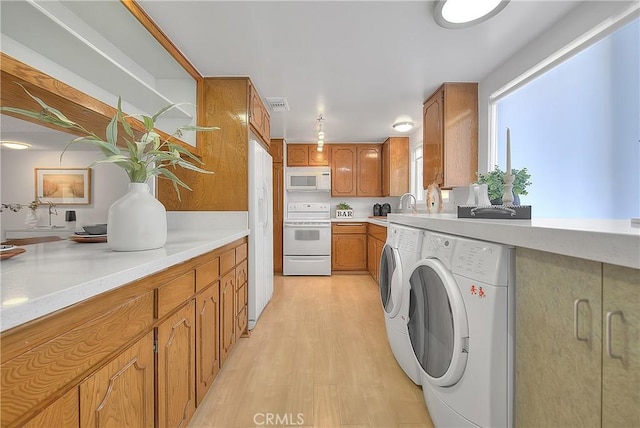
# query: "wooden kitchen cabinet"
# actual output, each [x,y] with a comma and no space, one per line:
[564,375]
[369,170]
[395,166]
[94,361]
[227,314]
[121,393]
[63,413]
[343,170]
[225,102]
[450,136]
[276,150]
[376,238]
[348,246]
[307,155]
[259,118]
[278,203]
[356,170]
[207,338]
[176,387]
[241,292]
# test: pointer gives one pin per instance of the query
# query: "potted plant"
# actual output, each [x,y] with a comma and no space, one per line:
[344,210]
[137,221]
[495,183]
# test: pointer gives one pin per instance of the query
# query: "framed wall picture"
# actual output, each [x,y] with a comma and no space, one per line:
[63,186]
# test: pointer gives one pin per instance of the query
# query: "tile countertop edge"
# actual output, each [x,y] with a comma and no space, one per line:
[15,315]
[603,241]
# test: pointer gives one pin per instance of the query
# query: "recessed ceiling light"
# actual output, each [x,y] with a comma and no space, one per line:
[465,13]
[17,145]
[403,126]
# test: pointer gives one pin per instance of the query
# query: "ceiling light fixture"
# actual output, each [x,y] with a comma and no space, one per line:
[465,13]
[17,145]
[405,126]
[320,133]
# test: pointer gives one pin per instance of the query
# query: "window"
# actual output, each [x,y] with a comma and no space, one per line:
[416,173]
[576,129]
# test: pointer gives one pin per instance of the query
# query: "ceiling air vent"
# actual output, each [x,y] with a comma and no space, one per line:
[278,104]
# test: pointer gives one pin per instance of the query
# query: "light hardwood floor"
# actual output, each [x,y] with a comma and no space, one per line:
[318,357]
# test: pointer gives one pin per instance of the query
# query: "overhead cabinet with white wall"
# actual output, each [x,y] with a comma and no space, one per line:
[450,136]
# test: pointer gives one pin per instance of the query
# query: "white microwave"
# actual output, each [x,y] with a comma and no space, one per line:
[309,179]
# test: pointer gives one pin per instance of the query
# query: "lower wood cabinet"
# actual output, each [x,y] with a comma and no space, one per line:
[376,237]
[349,246]
[141,355]
[176,394]
[64,412]
[121,393]
[227,314]
[207,339]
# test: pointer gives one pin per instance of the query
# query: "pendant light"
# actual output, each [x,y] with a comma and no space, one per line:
[320,133]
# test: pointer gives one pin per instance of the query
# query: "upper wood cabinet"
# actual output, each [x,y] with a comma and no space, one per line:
[276,149]
[259,117]
[343,170]
[225,104]
[395,166]
[307,155]
[356,170]
[369,170]
[450,136]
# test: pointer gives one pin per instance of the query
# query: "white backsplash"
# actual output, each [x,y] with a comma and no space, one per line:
[207,220]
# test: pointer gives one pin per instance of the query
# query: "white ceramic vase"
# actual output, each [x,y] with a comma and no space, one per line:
[31,220]
[137,221]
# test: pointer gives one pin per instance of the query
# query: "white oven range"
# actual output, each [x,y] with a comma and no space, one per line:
[307,239]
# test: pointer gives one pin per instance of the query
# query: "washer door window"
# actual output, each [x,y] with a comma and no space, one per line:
[438,327]
[390,280]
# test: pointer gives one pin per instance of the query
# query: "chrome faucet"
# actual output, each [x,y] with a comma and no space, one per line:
[413,208]
[52,211]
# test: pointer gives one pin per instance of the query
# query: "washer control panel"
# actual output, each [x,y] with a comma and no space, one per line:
[481,261]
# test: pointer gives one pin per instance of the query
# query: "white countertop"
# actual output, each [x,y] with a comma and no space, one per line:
[54,275]
[609,241]
[378,221]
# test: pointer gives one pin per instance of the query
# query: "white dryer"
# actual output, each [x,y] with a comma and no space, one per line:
[401,251]
[461,327]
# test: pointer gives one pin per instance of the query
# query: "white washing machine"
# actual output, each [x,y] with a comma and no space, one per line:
[461,328]
[401,251]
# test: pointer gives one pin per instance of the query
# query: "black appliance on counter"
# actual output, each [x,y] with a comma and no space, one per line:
[377,210]
[386,209]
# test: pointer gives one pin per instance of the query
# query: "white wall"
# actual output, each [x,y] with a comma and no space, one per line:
[580,20]
[109,182]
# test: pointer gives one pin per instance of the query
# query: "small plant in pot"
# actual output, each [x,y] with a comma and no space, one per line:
[344,210]
[495,184]
[137,221]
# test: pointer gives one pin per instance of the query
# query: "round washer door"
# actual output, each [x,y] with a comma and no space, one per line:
[438,326]
[390,280]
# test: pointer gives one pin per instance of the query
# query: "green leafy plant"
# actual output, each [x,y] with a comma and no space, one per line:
[343,206]
[495,182]
[150,156]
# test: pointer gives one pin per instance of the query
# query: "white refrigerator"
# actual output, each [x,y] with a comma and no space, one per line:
[261,230]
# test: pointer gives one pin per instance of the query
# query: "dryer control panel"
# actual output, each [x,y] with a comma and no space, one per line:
[405,238]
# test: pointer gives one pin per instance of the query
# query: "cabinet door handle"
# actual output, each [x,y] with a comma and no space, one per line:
[576,306]
[609,316]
